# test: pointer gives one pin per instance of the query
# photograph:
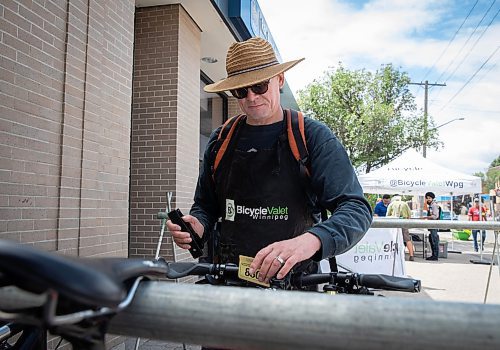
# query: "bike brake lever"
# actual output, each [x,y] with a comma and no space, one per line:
[284,283]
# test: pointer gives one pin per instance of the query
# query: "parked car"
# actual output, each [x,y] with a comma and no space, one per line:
[446,215]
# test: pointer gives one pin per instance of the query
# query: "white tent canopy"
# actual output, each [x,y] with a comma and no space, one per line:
[415,175]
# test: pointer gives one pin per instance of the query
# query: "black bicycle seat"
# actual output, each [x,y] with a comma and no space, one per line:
[92,282]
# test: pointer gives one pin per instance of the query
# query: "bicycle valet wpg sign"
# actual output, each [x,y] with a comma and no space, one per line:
[413,174]
[381,250]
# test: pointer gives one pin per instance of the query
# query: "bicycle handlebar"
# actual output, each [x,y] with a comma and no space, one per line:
[390,283]
[351,281]
[183,269]
[373,281]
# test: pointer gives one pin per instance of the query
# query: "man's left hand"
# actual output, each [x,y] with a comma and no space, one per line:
[282,256]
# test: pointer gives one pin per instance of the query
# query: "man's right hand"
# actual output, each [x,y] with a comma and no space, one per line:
[182,239]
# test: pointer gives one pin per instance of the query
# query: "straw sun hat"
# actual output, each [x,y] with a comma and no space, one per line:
[248,63]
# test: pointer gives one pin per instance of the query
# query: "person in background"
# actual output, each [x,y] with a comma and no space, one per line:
[432,214]
[463,209]
[381,207]
[401,210]
[477,213]
[486,211]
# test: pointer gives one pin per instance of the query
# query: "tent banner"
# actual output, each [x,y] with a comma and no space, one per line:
[410,183]
[380,251]
[412,174]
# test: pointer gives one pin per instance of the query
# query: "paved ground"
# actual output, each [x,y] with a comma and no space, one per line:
[452,279]
[148,344]
[456,278]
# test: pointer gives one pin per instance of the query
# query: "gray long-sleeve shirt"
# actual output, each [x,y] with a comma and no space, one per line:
[333,180]
[434,211]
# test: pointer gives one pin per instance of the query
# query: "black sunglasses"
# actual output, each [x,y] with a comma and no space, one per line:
[259,89]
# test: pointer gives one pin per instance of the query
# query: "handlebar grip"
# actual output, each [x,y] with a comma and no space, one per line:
[183,269]
[303,280]
[390,283]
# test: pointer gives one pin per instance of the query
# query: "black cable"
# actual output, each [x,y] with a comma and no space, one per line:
[449,43]
[468,81]
[473,46]
[470,36]
[461,49]
[486,73]
[58,344]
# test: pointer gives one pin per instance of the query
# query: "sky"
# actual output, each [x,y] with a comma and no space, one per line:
[456,43]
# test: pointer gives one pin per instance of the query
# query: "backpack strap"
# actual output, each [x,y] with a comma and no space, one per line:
[297,139]
[223,140]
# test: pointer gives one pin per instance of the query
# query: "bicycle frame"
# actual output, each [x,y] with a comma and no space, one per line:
[337,282]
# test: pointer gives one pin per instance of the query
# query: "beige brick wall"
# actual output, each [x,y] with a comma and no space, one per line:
[232,107]
[217,113]
[66,70]
[188,118]
[165,123]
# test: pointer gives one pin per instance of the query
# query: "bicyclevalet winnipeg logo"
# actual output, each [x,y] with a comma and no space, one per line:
[375,251]
[258,213]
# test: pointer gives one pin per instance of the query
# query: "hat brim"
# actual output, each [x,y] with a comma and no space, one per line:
[250,78]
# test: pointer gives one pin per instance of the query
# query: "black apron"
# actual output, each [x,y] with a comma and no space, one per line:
[263,199]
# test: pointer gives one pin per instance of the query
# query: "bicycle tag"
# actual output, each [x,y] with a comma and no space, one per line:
[244,273]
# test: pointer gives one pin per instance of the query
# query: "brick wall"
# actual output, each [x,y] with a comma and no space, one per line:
[165,123]
[232,107]
[66,69]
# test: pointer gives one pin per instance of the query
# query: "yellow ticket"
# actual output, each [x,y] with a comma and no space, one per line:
[244,271]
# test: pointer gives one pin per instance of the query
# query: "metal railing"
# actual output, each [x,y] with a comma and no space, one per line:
[247,318]
[439,224]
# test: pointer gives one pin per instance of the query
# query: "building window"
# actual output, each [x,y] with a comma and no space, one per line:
[213,112]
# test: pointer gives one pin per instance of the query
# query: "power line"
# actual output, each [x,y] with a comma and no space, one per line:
[449,43]
[465,44]
[451,40]
[462,108]
[486,73]
[472,77]
[473,46]
[426,127]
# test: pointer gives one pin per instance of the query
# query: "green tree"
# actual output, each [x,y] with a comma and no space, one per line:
[490,179]
[373,114]
[495,162]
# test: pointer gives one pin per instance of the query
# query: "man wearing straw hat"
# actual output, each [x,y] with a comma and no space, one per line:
[265,209]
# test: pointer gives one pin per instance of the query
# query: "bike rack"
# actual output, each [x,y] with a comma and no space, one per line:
[247,318]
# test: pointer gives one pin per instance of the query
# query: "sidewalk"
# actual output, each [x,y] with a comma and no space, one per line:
[452,279]
[456,278]
[148,344]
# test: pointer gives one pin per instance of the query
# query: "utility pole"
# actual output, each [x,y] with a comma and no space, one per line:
[426,128]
